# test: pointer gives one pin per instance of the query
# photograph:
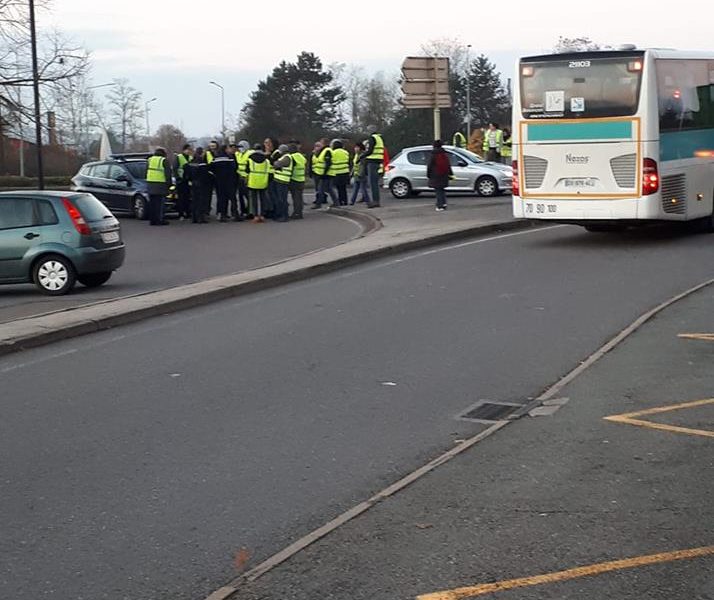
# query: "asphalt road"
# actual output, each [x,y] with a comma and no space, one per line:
[162,257]
[143,458]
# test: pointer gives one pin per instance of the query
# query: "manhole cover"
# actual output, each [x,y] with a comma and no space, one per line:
[489,411]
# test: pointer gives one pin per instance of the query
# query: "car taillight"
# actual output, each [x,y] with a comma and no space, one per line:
[77,219]
[516,184]
[650,177]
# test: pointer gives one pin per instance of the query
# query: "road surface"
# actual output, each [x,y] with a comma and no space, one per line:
[142,459]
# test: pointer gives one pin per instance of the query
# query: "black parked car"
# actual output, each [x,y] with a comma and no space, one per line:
[119,183]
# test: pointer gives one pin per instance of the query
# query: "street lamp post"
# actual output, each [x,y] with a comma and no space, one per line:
[223,107]
[36,90]
[146,112]
[468,95]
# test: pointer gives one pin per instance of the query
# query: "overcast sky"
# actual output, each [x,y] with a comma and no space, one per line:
[172,49]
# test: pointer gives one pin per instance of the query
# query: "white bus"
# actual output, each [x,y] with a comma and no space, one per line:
[614,138]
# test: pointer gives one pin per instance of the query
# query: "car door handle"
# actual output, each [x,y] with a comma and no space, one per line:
[31,236]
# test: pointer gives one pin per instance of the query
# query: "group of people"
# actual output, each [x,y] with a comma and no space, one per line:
[495,142]
[255,182]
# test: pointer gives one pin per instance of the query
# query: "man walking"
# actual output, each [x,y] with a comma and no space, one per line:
[183,184]
[373,157]
[297,181]
[493,143]
[158,179]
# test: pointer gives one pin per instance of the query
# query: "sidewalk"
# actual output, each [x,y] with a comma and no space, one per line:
[629,499]
[398,226]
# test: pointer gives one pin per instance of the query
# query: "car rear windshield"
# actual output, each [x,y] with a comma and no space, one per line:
[137,168]
[91,208]
[582,86]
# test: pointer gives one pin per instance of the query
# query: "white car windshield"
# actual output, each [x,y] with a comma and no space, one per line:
[468,155]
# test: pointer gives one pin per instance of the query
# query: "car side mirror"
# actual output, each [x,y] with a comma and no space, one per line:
[462,163]
[123,179]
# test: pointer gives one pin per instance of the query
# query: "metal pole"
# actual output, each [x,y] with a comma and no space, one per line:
[148,128]
[468,95]
[36,89]
[437,123]
[223,108]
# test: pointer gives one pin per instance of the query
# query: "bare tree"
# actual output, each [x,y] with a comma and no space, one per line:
[379,102]
[169,137]
[453,49]
[125,111]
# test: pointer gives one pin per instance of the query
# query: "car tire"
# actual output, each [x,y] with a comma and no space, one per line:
[486,186]
[139,207]
[53,275]
[93,280]
[400,188]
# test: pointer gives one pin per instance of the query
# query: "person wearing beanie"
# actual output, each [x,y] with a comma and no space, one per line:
[243,153]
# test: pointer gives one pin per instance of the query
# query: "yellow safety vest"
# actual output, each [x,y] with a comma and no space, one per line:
[242,162]
[459,140]
[340,164]
[285,174]
[499,139]
[209,157]
[299,162]
[318,162]
[258,176]
[378,150]
[356,166]
[182,162]
[507,149]
[274,156]
[155,170]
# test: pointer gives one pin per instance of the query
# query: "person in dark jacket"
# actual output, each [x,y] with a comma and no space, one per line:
[201,186]
[439,172]
[224,172]
[270,149]
[158,184]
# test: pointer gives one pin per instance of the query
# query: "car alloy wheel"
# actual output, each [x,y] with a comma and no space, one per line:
[487,186]
[400,188]
[139,208]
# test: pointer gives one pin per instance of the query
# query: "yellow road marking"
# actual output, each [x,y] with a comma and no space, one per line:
[558,576]
[704,337]
[631,418]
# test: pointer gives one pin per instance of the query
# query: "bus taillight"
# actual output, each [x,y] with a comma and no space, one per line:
[650,177]
[515,186]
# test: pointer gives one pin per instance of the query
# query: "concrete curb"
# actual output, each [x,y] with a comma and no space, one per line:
[38,331]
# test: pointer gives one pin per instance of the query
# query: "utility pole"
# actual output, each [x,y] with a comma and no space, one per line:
[36,90]
[468,95]
[223,108]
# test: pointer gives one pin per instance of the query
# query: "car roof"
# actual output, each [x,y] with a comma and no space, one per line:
[41,193]
[429,147]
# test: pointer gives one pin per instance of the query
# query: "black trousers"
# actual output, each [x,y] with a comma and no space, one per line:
[223,196]
[156,209]
[296,191]
[257,200]
[183,191]
[243,195]
[200,201]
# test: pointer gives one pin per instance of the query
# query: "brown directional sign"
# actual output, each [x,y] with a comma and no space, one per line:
[425,82]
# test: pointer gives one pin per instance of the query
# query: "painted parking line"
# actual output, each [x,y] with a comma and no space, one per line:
[576,573]
[632,418]
[703,337]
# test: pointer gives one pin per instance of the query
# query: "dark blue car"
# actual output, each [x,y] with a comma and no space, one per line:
[119,183]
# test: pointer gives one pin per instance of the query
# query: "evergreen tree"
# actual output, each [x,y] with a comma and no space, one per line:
[298,99]
[489,98]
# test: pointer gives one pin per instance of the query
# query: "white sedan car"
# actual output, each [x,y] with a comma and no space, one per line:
[406,173]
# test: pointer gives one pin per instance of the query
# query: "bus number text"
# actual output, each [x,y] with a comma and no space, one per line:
[541,209]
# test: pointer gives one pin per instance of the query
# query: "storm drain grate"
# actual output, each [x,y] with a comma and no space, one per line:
[489,411]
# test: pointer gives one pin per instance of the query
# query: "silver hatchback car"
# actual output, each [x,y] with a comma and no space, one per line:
[406,173]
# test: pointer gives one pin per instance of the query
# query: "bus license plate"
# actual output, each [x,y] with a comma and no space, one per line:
[110,237]
[541,209]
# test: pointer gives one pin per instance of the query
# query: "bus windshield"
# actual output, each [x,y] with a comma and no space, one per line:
[578,86]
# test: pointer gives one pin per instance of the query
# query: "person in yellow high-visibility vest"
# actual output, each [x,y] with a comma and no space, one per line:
[493,143]
[297,181]
[373,159]
[459,140]
[258,169]
[158,179]
[359,175]
[282,175]
[338,173]
[242,155]
[507,150]
[183,184]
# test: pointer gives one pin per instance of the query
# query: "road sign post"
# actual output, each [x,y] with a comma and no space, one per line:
[425,84]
